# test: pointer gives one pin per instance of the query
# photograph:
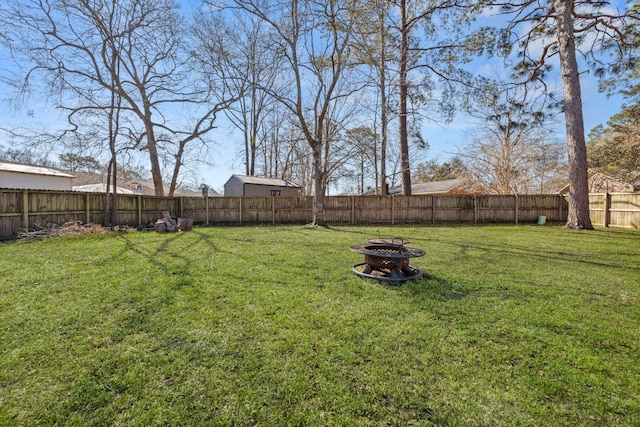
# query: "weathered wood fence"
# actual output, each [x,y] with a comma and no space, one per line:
[27,209]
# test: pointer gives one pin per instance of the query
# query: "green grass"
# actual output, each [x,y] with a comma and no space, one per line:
[511,325]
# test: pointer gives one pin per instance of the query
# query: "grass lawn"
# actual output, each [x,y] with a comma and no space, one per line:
[511,325]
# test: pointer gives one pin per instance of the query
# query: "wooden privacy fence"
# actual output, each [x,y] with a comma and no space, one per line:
[26,209]
[615,209]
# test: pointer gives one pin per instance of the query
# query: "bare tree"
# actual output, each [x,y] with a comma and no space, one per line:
[361,154]
[531,166]
[375,46]
[314,37]
[87,50]
[238,49]
[433,170]
[284,152]
[26,156]
[509,154]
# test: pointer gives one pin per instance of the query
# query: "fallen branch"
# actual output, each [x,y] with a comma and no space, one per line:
[67,229]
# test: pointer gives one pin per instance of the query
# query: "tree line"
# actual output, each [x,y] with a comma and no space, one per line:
[320,89]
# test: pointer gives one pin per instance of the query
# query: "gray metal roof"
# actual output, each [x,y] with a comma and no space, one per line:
[33,170]
[255,180]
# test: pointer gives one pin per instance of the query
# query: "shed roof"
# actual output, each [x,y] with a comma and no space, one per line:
[33,170]
[256,180]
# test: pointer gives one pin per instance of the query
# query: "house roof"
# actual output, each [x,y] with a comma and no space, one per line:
[33,170]
[599,182]
[178,192]
[256,180]
[100,188]
[434,187]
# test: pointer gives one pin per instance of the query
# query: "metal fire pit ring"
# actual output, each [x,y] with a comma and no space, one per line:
[398,241]
[387,260]
[408,273]
[388,251]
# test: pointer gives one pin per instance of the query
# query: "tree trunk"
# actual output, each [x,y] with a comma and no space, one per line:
[176,169]
[247,153]
[578,216]
[404,140]
[107,196]
[156,172]
[114,204]
[384,114]
[318,181]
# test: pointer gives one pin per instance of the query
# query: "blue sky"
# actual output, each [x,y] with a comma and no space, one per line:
[444,139]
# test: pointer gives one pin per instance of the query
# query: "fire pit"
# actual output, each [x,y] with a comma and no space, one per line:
[387,259]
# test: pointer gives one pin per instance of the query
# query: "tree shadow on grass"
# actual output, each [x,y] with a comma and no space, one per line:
[618,234]
[168,240]
[435,288]
[206,239]
[152,293]
[428,286]
[539,254]
[134,246]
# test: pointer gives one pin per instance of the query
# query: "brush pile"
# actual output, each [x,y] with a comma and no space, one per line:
[67,229]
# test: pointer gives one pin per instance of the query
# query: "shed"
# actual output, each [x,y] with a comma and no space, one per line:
[14,175]
[253,186]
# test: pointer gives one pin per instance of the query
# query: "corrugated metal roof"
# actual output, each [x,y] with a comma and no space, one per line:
[34,170]
[256,180]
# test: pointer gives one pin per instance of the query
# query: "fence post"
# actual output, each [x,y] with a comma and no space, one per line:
[25,209]
[139,203]
[475,209]
[240,210]
[87,209]
[560,200]
[273,210]
[393,210]
[606,214]
[515,209]
[433,209]
[206,210]
[353,210]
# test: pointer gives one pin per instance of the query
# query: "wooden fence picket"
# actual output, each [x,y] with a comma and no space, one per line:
[20,209]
